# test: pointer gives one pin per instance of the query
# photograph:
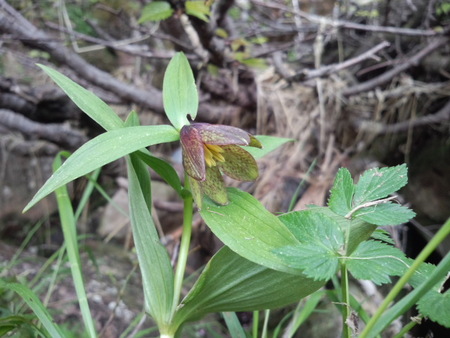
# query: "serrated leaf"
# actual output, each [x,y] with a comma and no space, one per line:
[383,236]
[322,242]
[436,306]
[376,261]
[198,9]
[385,214]
[230,282]
[269,144]
[249,229]
[378,183]
[342,193]
[179,92]
[89,103]
[103,149]
[156,11]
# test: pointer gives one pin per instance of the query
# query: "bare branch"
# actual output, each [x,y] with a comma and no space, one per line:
[387,76]
[309,74]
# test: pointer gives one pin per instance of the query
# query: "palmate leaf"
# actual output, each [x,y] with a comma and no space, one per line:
[103,149]
[179,92]
[322,242]
[230,282]
[385,214]
[378,183]
[376,261]
[436,306]
[342,193]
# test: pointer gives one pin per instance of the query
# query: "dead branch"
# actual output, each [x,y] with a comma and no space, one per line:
[441,116]
[387,76]
[58,133]
[309,74]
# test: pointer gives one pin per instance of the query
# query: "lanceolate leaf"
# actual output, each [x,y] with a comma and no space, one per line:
[89,103]
[179,92]
[249,229]
[233,283]
[378,183]
[376,261]
[385,214]
[154,262]
[342,193]
[103,149]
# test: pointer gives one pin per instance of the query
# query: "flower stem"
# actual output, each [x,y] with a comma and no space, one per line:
[347,332]
[184,246]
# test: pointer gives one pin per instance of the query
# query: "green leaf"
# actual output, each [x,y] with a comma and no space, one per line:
[163,169]
[342,193]
[321,244]
[198,9]
[269,144]
[103,149]
[36,305]
[156,11]
[436,306]
[249,229]
[258,63]
[385,214]
[154,261]
[230,282]
[383,236]
[378,183]
[179,92]
[376,261]
[234,326]
[93,106]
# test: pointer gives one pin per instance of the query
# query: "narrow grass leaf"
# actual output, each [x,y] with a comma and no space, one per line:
[154,262]
[249,229]
[88,102]
[378,183]
[385,214]
[180,95]
[234,326]
[36,305]
[68,225]
[103,149]
[342,193]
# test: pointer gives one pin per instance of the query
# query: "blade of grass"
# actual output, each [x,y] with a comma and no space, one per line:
[92,179]
[235,328]
[68,225]
[36,305]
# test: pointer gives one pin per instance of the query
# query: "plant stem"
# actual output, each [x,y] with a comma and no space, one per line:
[255,323]
[346,330]
[184,247]
[429,248]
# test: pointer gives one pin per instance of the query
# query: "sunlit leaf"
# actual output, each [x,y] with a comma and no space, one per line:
[179,92]
[199,9]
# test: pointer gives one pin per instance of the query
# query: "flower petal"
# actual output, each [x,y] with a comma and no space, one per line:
[218,134]
[193,153]
[239,164]
[196,191]
[214,187]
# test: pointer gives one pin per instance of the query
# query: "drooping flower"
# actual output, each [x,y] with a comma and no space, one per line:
[210,150]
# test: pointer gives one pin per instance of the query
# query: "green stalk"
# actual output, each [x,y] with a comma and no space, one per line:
[184,246]
[346,331]
[255,323]
[68,225]
[429,248]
